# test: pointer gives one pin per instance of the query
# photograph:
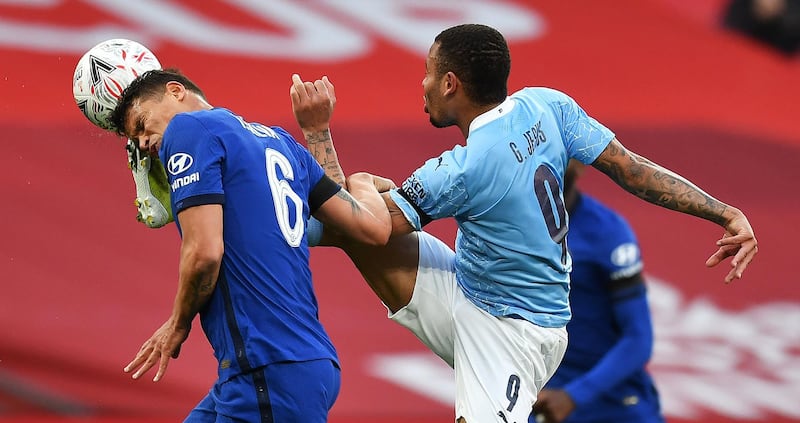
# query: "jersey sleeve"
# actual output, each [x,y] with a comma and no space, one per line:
[435,190]
[584,137]
[193,158]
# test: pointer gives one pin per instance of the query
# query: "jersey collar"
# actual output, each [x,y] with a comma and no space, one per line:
[498,111]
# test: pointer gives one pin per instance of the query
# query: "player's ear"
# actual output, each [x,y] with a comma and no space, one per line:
[449,83]
[176,89]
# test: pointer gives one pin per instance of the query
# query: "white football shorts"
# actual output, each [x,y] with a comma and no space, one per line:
[500,363]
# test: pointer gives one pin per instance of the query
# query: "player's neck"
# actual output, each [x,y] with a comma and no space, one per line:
[470,113]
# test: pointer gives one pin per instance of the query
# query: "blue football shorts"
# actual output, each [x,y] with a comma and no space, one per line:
[284,392]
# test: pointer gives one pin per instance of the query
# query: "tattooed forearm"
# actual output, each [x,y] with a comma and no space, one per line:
[204,288]
[320,144]
[353,203]
[658,185]
[193,294]
[197,280]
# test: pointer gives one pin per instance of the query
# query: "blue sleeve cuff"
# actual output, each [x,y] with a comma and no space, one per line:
[198,200]
[407,208]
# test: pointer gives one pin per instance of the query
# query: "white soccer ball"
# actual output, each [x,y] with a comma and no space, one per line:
[104,72]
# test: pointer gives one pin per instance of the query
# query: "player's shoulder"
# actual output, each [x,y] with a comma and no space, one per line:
[599,233]
[196,120]
[220,116]
[186,128]
[542,94]
[216,113]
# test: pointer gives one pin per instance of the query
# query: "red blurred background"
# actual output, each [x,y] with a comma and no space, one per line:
[83,284]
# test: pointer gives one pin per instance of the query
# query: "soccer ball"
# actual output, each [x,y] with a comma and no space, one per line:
[104,72]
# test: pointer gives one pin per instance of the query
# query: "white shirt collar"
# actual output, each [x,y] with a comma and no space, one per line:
[500,110]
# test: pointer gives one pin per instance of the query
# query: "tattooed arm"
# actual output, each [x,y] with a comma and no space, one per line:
[312,104]
[655,184]
[361,216]
[321,147]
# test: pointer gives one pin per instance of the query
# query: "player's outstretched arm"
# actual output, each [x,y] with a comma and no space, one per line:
[312,104]
[390,270]
[658,185]
[361,216]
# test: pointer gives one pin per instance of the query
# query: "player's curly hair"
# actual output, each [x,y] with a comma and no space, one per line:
[148,85]
[478,55]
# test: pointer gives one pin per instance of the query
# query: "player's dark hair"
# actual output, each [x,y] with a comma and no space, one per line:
[148,85]
[478,55]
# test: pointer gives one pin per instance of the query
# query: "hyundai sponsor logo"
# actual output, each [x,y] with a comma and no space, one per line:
[179,163]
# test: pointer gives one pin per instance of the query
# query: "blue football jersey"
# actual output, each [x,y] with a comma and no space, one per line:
[263,309]
[610,334]
[504,190]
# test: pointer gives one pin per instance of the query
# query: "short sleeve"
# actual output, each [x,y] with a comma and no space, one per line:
[584,137]
[193,158]
[437,188]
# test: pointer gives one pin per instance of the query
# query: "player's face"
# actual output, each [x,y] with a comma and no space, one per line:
[148,119]
[431,85]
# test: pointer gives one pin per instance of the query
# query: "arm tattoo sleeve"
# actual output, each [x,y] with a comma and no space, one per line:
[658,185]
[320,145]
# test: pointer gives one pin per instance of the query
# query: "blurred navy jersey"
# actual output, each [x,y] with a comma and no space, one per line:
[610,334]
[263,309]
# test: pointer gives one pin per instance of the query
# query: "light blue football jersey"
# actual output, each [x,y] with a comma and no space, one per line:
[504,190]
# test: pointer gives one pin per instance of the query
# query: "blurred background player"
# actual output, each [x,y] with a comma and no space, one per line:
[602,378]
[774,23]
[251,282]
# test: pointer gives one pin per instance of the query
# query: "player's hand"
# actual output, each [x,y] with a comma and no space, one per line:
[553,406]
[738,241]
[163,345]
[312,103]
[381,184]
